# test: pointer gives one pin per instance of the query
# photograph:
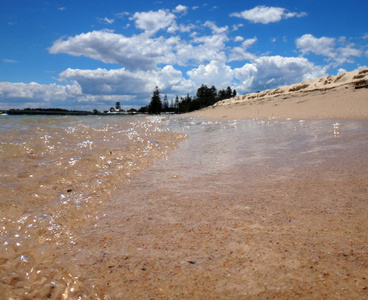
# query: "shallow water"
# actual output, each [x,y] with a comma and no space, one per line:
[90,211]
[55,172]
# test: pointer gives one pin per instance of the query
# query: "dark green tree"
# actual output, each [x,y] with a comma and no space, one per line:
[155,106]
[165,106]
[206,96]
[177,102]
[118,106]
[228,92]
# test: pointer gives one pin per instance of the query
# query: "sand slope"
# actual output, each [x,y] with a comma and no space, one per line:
[344,97]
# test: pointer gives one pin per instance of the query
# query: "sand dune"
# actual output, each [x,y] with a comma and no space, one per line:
[344,97]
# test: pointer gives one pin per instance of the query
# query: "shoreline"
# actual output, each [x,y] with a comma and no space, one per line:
[324,98]
[284,222]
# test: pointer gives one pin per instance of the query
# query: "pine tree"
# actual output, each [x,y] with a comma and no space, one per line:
[165,104]
[155,105]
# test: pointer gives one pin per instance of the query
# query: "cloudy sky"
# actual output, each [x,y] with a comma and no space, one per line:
[90,54]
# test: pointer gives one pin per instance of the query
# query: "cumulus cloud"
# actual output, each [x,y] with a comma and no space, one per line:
[180,9]
[33,94]
[328,47]
[261,73]
[136,52]
[101,86]
[215,29]
[241,53]
[153,21]
[156,54]
[320,46]
[126,82]
[35,90]
[215,73]
[22,95]
[345,53]
[265,14]
[269,72]
[202,49]
[140,52]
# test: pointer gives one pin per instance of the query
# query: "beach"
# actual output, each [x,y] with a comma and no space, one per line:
[243,200]
[279,214]
[332,97]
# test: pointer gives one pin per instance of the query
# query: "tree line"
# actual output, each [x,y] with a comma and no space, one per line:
[205,97]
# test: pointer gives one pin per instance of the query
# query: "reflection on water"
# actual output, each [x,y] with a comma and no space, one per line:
[220,145]
[57,172]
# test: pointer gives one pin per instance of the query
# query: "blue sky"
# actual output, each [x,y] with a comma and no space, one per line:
[90,54]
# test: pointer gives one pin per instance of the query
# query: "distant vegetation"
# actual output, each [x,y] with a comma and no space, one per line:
[205,97]
[46,111]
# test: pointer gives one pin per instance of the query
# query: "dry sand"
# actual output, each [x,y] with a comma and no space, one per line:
[342,97]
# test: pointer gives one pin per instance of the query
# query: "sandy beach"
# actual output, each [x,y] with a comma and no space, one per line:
[280,214]
[241,211]
[265,198]
[343,97]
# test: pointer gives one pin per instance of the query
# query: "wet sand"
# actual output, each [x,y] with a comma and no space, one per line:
[240,211]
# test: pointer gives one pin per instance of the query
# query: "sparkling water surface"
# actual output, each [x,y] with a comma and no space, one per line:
[56,172]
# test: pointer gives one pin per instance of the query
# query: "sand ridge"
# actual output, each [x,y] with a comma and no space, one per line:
[344,97]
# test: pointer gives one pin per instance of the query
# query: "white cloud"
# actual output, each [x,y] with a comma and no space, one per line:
[125,82]
[35,90]
[153,21]
[182,28]
[98,88]
[151,58]
[202,49]
[265,14]
[21,95]
[261,73]
[136,52]
[215,29]
[180,9]
[106,20]
[240,53]
[327,47]
[345,54]
[215,73]
[269,72]
[320,46]
[236,27]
